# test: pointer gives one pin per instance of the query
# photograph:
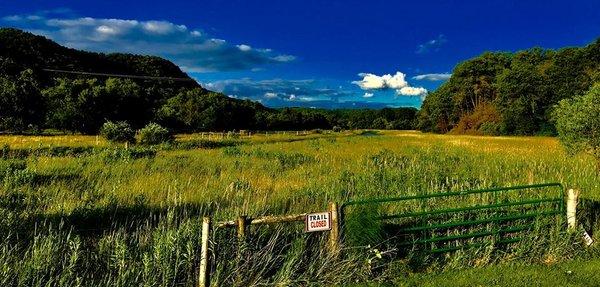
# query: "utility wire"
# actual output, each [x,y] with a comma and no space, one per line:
[117,75]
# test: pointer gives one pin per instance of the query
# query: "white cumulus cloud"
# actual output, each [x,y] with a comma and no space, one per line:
[103,29]
[162,27]
[412,91]
[396,82]
[373,82]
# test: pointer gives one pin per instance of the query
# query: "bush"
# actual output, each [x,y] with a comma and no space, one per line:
[578,123]
[118,132]
[485,119]
[153,134]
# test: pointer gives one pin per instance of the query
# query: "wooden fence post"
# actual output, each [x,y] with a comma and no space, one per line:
[241,246]
[572,199]
[241,228]
[203,280]
[334,234]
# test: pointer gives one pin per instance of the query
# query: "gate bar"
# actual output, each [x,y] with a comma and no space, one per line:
[423,196]
[476,207]
[475,222]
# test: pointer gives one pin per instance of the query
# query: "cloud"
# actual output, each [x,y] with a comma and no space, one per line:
[412,91]
[244,48]
[396,82]
[193,50]
[432,45]
[308,93]
[432,77]
[278,92]
[270,95]
[371,81]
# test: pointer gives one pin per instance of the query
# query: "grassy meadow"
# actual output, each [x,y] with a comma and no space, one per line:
[79,211]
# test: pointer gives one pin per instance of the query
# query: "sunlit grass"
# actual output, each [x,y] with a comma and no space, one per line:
[257,175]
[19,141]
[253,183]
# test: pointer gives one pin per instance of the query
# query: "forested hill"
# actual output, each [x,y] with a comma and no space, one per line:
[34,99]
[510,93]
[21,50]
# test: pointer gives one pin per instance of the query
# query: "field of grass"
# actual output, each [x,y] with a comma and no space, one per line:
[103,215]
[572,273]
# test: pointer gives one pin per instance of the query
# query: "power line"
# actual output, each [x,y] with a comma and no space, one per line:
[117,75]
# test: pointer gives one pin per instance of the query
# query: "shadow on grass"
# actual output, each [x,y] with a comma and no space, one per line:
[588,214]
[95,221]
[420,241]
[368,133]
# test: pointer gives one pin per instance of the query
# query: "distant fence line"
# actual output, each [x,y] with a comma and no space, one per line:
[247,133]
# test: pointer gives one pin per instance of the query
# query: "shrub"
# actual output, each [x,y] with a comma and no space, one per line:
[118,132]
[485,119]
[578,123]
[153,134]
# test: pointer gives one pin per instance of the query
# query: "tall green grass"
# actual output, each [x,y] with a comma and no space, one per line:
[103,215]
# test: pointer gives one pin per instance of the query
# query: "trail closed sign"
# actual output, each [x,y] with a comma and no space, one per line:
[320,221]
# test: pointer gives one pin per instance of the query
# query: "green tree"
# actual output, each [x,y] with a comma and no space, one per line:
[523,94]
[126,102]
[77,105]
[379,123]
[578,123]
[20,102]
[522,87]
[198,109]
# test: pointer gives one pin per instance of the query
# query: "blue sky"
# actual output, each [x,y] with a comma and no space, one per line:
[311,53]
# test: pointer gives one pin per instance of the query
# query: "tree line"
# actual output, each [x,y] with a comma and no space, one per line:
[83,105]
[510,93]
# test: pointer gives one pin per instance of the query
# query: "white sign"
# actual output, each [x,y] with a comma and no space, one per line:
[317,222]
[587,239]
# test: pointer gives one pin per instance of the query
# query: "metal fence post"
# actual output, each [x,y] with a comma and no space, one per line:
[203,280]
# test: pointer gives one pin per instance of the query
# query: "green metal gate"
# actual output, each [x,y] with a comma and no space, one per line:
[443,222]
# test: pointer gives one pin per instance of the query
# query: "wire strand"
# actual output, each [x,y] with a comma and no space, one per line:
[117,75]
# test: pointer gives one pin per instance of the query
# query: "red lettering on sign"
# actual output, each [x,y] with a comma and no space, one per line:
[317,222]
